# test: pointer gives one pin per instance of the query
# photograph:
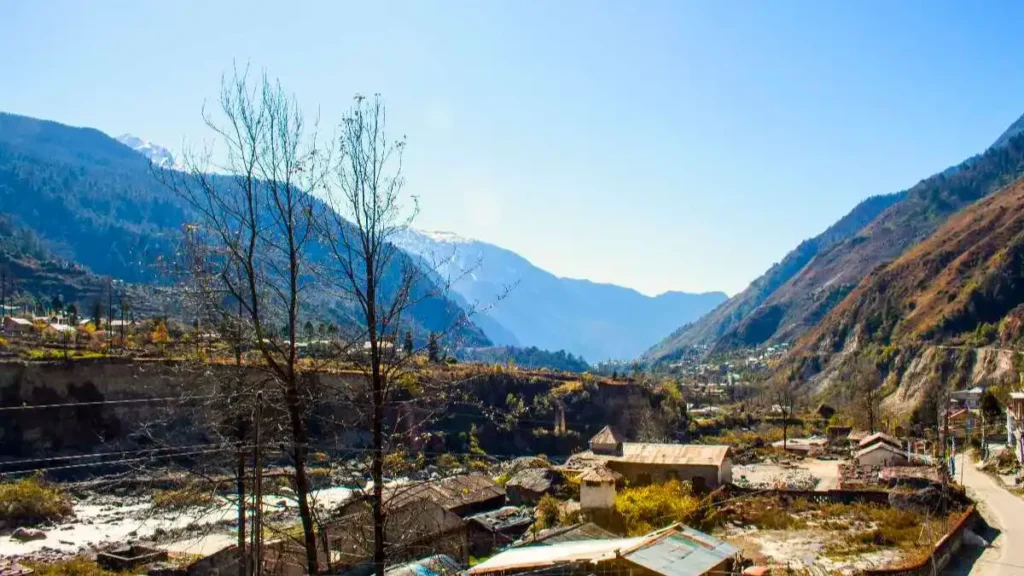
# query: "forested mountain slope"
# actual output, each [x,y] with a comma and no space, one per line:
[960,289]
[97,203]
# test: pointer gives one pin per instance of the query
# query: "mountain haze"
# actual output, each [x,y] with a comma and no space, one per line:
[593,320]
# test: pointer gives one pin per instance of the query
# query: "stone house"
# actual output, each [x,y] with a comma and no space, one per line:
[707,466]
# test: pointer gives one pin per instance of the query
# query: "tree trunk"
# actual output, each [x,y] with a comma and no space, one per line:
[240,492]
[378,429]
[300,440]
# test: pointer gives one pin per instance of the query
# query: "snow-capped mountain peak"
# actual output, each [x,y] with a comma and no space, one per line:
[442,236]
[158,155]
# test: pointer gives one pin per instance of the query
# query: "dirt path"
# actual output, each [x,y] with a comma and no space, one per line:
[1004,512]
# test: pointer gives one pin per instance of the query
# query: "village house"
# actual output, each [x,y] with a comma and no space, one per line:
[967,398]
[490,531]
[705,465]
[13,325]
[674,551]
[880,454]
[421,516]
[879,438]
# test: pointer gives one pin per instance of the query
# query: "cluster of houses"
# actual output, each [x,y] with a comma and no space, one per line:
[54,325]
[438,526]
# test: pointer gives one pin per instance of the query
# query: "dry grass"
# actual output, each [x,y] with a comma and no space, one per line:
[178,498]
[73,567]
[31,501]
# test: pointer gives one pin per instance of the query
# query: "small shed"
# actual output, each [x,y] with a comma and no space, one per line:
[529,485]
[496,529]
[597,488]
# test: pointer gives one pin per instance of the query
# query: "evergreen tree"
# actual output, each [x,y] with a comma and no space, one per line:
[97,313]
[407,344]
[433,348]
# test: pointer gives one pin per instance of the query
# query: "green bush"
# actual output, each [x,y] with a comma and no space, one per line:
[31,501]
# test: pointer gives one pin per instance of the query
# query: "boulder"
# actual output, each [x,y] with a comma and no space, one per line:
[28,534]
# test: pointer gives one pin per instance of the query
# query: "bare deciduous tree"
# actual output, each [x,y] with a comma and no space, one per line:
[367,211]
[256,212]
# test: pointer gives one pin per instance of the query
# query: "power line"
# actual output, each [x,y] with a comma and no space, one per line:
[116,462]
[106,454]
[107,402]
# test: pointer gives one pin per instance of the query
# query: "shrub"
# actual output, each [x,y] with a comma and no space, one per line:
[647,508]
[31,501]
[188,497]
[548,510]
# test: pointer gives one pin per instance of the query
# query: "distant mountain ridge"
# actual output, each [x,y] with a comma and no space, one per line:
[588,319]
[796,294]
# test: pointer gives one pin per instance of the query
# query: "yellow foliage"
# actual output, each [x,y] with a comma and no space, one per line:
[648,508]
[159,334]
[31,501]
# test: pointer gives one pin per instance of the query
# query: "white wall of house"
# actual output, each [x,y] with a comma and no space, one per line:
[725,472]
[597,495]
[881,458]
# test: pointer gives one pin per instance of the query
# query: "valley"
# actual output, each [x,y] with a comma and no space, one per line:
[246,356]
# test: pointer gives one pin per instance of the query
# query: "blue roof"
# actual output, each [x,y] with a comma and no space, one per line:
[682,552]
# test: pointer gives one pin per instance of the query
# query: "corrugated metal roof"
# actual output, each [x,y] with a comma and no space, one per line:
[673,454]
[607,435]
[436,565]
[879,437]
[554,554]
[682,552]
[600,474]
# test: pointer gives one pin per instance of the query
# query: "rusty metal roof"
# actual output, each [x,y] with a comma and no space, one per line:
[607,435]
[673,454]
[600,474]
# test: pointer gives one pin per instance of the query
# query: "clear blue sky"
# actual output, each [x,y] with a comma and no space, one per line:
[675,145]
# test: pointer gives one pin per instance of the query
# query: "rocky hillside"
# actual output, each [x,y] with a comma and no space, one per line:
[951,309]
[797,293]
[724,319]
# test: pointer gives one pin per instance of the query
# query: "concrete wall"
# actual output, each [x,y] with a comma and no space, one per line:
[597,495]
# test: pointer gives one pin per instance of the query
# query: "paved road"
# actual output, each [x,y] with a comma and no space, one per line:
[1004,512]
